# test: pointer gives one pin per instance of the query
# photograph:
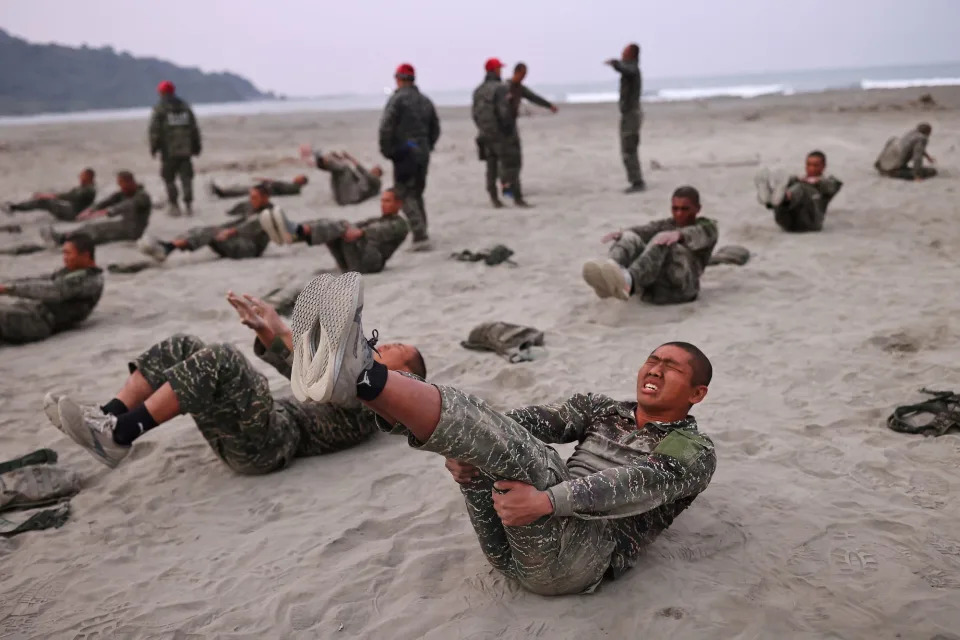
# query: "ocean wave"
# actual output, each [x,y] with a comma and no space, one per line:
[692,93]
[587,98]
[909,83]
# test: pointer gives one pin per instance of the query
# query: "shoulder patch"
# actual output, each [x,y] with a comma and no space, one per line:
[684,446]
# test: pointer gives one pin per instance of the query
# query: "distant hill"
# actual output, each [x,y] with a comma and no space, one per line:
[38,78]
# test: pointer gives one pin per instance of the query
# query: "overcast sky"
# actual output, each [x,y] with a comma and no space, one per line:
[314,47]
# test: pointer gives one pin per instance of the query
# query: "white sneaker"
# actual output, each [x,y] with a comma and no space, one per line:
[329,350]
[618,279]
[150,246]
[593,275]
[49,236]
[420,245]
[762,182]
[50,401]
[778,186]
[92,432]
[274,222]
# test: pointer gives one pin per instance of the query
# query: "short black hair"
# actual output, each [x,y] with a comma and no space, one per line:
[816,153]
[90,171]
[925,128]
[263,189]
[417,365]
[82,242]
[520,66]
[392,190]
[126,176]
[634,49]
[699,362]
[688,192]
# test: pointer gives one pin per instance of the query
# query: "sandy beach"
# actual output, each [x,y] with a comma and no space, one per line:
[819,523]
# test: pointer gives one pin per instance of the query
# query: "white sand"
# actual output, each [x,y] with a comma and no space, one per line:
[820,522]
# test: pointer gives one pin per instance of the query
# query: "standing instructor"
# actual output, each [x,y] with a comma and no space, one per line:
[631,117]
[174,134]
[409,130]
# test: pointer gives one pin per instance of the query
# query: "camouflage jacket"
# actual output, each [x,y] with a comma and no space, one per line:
[518,92]
[631,85]
[353,185]
[638,477]
[822,191]
[69,295]
[173,129]
[386,232]
[135,209]
[324,428]
[409,121]
[913,145]
[80,197]
[491,109]
[699,237]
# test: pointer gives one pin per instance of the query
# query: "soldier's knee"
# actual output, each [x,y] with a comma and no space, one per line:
[187,342]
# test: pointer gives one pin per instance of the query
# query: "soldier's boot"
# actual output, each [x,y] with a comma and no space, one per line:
[518,200]
[331,358]
[92,432]
[188,209]
[636,187]
[495,197]
[173,210]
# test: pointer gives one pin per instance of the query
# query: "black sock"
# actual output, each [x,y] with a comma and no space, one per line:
[303,235]
[168,247]
[132,425]
[371,382]
[114,408]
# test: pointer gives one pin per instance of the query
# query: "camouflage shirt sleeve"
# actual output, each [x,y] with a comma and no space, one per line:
[535,98]
[680,467]
[62,286]
[700,235]
[155,132]
[387,230]
[559,422]
[109,201]
[626,69]
[277,355]
[647,231]
[324,231]
[388,126]
[829,187]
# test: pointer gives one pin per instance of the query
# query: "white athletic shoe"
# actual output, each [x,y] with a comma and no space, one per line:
[778,186]
[420,245]
[593,275]
[618,280]
[150,246]
[50,401]
[329,350]
[49,236]
[274,222]
[762,183]
[92,432]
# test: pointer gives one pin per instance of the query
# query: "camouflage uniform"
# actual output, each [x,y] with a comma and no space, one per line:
[511,152]
[349,182]
[382,236]
[133,213]
[250,430]
[806,207]
[631,117]
[900,153]
[249,242]
[274,188]
[409,130]
[43,306]
[623,486]
[64,206]
[666,274]
[174,134]
[491,114]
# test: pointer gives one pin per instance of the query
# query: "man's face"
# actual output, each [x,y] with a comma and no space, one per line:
[128,187]
[815,166]
[625,54]
[301,180]
[376,171]
[684,211]
[390,204]
[72,259]
[395,356]
[664,382]
[257,199]
[519,75]
[86,177]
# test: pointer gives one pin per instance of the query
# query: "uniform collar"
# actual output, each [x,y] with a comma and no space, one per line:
[628,410]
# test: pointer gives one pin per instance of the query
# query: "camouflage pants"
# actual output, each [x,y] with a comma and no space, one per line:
[61,209]
[361,256]
[552,556]
[801,211]
[504,159]
[109,230]
[228,399]
[664,275]
[630,145]
[238,247]
[906,173]
[170,169]
[232,191]
[23,320]
[409,186]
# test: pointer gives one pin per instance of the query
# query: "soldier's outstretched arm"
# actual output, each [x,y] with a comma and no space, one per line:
[535,98]
[72,286]
[560,422]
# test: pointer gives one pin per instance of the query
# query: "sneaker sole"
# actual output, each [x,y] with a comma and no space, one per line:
[270,226]
[593,276]
[50,401]
[280,222]
[322,318]
[615,282]
[72,423]
[778,190]
[149,246]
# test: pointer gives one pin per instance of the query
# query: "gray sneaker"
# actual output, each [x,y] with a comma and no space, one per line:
[593,276]
[92,432]
[49,236]
[274,221]
[329,351]
[778,185]
[50,408]
[150,246]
